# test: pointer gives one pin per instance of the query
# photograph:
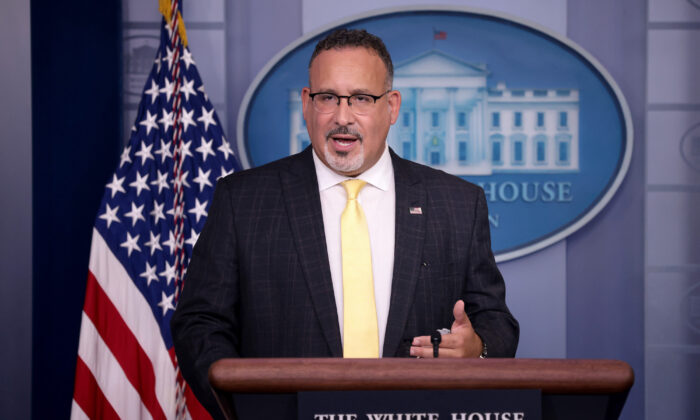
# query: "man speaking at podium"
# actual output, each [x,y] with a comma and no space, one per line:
[345,249]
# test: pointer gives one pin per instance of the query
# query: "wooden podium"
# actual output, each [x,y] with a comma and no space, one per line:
[571,388]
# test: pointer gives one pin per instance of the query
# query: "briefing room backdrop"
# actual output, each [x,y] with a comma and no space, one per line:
[625,286]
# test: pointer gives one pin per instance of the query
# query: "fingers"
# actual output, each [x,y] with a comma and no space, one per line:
[452,345]
[449,341]
[424,352]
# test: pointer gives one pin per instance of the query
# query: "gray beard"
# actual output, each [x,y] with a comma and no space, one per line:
[342,162]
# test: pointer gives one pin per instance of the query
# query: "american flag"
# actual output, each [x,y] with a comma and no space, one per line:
[151,214]
[439,35]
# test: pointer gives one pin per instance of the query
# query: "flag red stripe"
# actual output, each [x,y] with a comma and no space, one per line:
[123,344]
[89,396]
[195,408]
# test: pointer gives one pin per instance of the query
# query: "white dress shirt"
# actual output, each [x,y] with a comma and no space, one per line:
[378,201]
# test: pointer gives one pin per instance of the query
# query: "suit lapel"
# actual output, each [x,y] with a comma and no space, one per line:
[408,247]
[303,203]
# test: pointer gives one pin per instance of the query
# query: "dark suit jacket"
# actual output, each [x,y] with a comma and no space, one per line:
[259,282]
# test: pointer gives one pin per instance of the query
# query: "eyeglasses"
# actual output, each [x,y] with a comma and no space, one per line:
[361,103]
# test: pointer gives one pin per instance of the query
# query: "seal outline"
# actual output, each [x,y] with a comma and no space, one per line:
[530,247]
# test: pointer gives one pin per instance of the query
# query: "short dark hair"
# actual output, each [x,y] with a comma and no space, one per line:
[342,38]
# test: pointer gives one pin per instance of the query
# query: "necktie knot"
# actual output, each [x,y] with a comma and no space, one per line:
[353,187]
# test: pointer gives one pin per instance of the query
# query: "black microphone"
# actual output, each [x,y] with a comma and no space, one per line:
[436,338]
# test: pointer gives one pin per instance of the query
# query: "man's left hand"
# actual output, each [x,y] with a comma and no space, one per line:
[462,341]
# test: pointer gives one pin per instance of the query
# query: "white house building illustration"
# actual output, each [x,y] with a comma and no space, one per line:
[451,120]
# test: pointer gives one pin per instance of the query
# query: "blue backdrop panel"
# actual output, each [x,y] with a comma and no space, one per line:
[605,259]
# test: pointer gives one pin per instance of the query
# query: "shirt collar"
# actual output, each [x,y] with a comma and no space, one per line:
[379,175]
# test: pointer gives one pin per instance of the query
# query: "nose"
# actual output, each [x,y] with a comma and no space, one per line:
[344,114]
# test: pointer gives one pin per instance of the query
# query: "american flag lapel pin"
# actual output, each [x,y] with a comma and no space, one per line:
[415,210]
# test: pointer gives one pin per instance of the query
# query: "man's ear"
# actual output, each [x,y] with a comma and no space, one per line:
[305,100]
[394,100]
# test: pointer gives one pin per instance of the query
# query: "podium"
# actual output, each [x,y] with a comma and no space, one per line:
[570,388]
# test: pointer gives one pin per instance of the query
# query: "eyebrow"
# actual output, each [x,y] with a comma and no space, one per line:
[360,91]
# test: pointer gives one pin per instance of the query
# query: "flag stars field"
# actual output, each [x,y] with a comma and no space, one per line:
[154,243]
[157,212]
[167,89]
[193,237]
[149,274]
[125,158]
[168,273]
[140,183]
[186,149]
[199,209]
[182,180]
[161,181]
[202,179]
[135,214]
[153,91]
[149,122]
[166,302]
[116,185]
[207,118]
[205,148]
[157,63]
[187,120]
[164,151]
[166,120]
[131,243]
[225,149]
[187,58]
[201,89]
[225,172]
[145,153]
[170,243]
[110,215]
[168,56]
[187,88]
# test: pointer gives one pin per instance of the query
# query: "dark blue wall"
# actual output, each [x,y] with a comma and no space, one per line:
[76,106]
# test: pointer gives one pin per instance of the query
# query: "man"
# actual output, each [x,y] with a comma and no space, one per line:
[272,272]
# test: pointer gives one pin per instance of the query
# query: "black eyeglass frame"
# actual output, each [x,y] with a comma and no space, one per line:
[347,97]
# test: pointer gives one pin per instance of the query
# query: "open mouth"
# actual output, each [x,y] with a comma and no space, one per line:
[344,139]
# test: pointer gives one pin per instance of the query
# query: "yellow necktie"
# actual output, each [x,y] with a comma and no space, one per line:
[360,331]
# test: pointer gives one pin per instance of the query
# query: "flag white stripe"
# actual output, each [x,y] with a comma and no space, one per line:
[109,376]
[137,314]
[77,413]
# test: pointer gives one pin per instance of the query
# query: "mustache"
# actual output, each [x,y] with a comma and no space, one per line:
[345,130]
